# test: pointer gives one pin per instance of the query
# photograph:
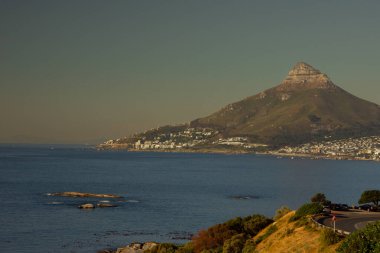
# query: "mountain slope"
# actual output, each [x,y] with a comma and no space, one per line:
[306,106]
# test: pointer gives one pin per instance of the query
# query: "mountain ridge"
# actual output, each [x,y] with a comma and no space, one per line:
[305,106]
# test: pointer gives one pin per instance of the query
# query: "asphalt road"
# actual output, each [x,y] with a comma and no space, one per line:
[349,220]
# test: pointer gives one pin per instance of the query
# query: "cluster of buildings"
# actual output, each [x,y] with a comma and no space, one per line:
[233,141]
[352,148]
[241,142]
[367,148]
[187,138]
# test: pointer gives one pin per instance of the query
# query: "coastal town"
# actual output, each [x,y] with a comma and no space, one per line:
[185,139]
[364,148]
[190,139]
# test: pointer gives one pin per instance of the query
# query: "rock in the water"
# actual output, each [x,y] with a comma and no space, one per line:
[87,206]
[84,195]
[137,247]
[105,205]
[107,251]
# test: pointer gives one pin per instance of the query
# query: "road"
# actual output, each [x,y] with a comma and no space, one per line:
[349,220]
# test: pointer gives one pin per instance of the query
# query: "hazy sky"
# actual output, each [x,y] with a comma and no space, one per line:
[81,71]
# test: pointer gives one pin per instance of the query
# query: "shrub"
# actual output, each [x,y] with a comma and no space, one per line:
[249,246]
[255,223]
[163,248]
[235,244]
[214,238]
[370,196]
[365,240]
[186,248]
[270,230]
[235,224]
[329,237]
[307,209]
[320,198]
[281,212]
[288,231]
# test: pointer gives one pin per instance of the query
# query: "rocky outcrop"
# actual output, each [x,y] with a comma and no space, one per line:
[87,206]
[302,75]
[137,247]
[102,205]
[84,195]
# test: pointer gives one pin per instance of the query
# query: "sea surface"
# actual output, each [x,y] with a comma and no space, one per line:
[167,196]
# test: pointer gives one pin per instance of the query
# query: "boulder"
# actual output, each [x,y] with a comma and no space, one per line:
[137,247]
[84,195]
[87,206]
[101,205]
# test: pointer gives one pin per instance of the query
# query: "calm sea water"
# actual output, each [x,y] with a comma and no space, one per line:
[168,196]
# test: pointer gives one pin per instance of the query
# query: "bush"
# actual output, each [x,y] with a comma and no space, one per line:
[270,230]
[214,238]
[249,246]
[235,244]
[320,198]
[307,209]
[365,240]
[255,223]
[163,248]
[288,231]
[370,196]
[187,248]
[281,212]
[329,237]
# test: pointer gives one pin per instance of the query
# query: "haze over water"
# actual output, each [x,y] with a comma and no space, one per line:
[168,196]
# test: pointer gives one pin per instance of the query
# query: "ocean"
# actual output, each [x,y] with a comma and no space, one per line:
[167,196]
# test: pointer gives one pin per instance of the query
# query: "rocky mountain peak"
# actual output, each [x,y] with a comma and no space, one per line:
[303,75]
[303,69]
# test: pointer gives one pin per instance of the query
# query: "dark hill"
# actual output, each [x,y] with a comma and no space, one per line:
[306,106]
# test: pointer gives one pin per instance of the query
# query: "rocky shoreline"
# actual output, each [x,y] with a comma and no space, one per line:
[84,195]
[237,152]
[316,157]
[132,248]
[89,199]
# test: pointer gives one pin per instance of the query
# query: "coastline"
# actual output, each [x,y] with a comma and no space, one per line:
[236,152]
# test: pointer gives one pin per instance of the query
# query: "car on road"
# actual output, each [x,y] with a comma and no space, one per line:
[326,211]
[339,207]
[368,207]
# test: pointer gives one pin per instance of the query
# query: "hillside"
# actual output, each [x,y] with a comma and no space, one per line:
[306,106]
[291,238]
[252,234]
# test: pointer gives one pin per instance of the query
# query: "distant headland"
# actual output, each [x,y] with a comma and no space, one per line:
[305,115]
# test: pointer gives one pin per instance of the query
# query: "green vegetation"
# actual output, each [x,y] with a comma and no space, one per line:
[270,230]
[164,248]
[329,237]
[370,196]
[307,209]
[235,244]
[320,198]
[231,235]
[365,240]
[249,246]
[238,235]
[281,212]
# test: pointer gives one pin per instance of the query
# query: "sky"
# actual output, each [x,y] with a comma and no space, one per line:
[86,71]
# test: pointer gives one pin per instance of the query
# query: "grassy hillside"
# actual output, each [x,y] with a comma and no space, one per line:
[295,116]
[290,232]
[292,237]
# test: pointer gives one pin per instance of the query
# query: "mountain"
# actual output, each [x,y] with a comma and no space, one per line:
[305,106]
